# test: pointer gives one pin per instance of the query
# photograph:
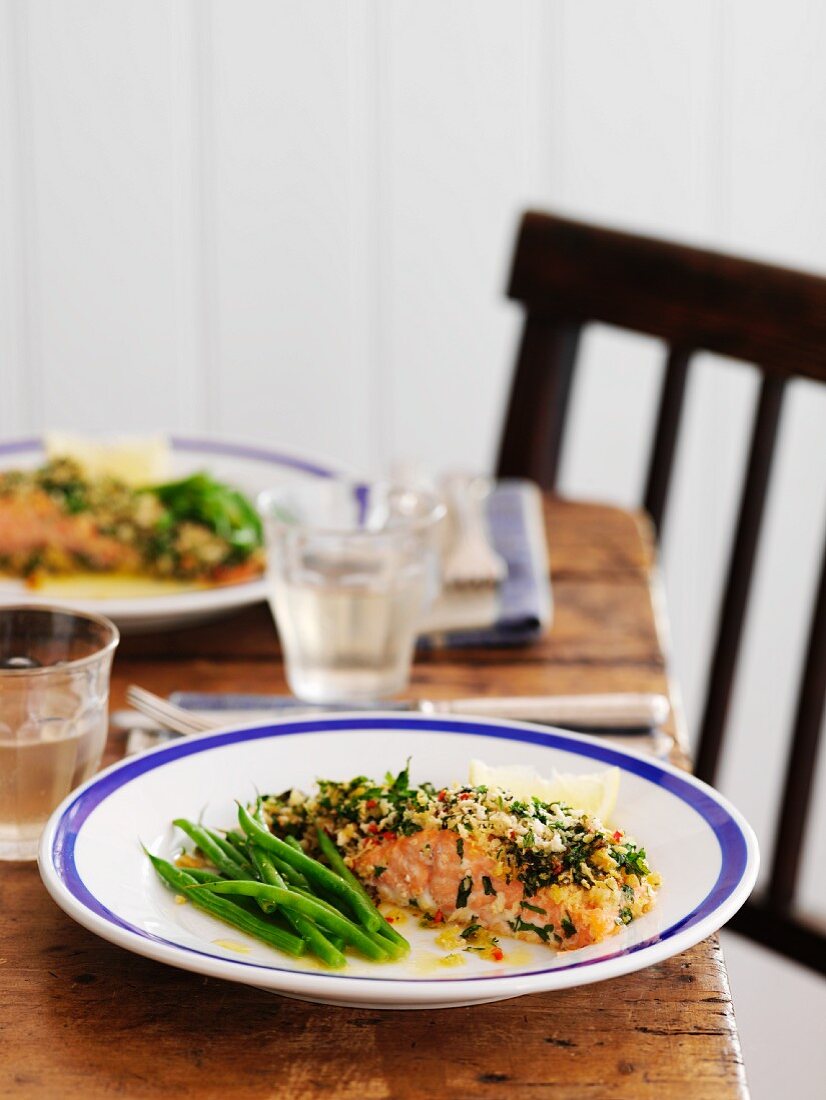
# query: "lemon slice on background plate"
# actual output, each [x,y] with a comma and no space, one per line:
[137,460]
[595,793]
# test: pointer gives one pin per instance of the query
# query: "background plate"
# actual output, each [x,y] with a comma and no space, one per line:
[92,865]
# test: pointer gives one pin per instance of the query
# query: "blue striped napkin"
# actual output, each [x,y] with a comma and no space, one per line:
[521,608]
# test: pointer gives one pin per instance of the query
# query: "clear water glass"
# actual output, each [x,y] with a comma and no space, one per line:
[54,693]
[352,567]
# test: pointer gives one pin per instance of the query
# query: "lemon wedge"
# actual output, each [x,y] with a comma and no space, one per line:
[139,460]
[594,793]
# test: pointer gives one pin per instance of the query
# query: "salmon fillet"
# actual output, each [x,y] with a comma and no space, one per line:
[34,524]
[478,856]
[427,872]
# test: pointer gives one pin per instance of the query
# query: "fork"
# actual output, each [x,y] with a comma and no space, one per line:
[166,714]
[471,560]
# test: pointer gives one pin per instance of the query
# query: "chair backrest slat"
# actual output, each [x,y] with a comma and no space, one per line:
[738,578]
[802,761]
[689,297]
[532,441]
[665,437]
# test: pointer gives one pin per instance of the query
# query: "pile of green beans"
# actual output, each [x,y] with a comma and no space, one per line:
[303,906]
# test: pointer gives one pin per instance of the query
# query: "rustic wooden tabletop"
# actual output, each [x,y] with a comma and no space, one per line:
[80,1018]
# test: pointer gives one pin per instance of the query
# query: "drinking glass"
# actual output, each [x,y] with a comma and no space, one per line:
[54,691]
[352,567]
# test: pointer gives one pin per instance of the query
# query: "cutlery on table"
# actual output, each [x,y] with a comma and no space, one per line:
[470,558]
[618,712]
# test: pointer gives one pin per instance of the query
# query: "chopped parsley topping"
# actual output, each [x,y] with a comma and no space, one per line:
[533,908]
[543,931]
[471,930]
[537,845]
[463,893]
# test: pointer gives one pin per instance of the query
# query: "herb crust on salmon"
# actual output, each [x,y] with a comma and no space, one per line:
[542,872]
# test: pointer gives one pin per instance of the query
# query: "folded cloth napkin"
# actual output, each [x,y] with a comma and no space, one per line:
[520,609]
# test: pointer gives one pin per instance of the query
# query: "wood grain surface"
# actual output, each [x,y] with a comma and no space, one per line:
[80,1018]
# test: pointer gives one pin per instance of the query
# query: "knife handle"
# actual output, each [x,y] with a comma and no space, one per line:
[626,710]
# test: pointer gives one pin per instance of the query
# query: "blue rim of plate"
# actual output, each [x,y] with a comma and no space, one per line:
[734,847]
[203,446]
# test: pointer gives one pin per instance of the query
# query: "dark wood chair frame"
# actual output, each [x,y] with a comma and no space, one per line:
[566,275]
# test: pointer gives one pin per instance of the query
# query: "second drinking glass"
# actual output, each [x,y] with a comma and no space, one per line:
[352,567]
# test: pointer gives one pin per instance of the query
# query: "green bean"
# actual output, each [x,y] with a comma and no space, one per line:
[338,865]
[201,874]
[316,872]
[322,901]
[388,933]
[385,935]
[202,897]
[293,877]
[211,850]
[377,937]
[230,851]
[315,939]
[288,899]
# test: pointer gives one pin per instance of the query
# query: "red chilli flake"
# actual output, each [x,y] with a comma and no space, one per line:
[438,917]
[464,795]
[372,827]
[388,835]
[442,795]
[618,835]
[371,803]
[498,954]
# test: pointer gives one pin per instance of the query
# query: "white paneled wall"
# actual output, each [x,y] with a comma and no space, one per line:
[292,222]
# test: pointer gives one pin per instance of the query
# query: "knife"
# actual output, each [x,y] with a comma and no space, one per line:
[622,712]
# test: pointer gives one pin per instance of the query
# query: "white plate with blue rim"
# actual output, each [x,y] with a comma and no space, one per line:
[245,466]
[93,866]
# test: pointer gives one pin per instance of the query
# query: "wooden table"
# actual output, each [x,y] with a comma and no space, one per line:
[80,1018]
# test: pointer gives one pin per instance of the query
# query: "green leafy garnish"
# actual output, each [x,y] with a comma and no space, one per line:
[224,510]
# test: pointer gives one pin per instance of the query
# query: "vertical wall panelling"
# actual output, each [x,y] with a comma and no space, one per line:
[19,346]
[776,102]
[366,59]
[290,370]
[191,173]
[457,177]
[105,199]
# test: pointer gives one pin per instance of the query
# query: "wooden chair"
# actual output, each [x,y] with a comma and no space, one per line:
[566,275]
